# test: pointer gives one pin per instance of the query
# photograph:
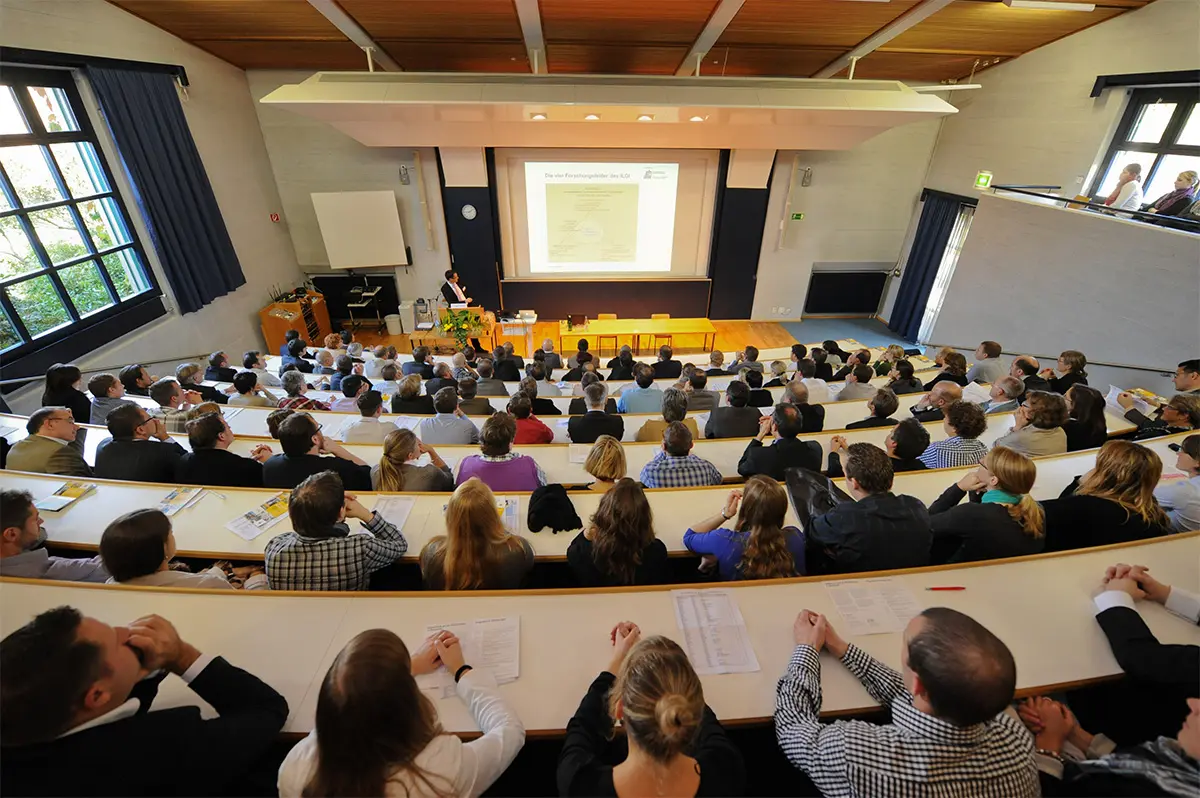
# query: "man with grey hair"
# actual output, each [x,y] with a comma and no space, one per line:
[324,362]
[716,362]
[516,359]
[1004,394]
[551,358]
[624,350]
[459,369]
[813,416]
[699,398]
[674,408]
[295,387]
[595,422]
[441,379]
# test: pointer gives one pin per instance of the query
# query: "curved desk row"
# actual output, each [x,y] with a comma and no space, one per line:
[1039,606]
[200,529]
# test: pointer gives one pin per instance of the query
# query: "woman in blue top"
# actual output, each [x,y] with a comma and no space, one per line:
[759,546]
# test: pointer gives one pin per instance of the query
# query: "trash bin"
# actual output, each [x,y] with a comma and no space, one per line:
[392,320]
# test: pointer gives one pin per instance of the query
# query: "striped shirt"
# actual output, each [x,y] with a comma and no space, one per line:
[954,452]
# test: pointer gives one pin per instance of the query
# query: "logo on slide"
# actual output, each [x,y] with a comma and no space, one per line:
[654,174]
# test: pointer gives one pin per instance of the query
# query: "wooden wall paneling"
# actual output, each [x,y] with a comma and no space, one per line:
[341,55]
[810,23]
[625,21]
[931,67]
[615,58]
[746,60]
[234,19]
[975,27]
[436,19]
[457,56]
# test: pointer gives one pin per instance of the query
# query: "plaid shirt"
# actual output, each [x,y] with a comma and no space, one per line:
[295,562]
[174,419]
[302,403]
[916,755]
[668,471]
[954,452]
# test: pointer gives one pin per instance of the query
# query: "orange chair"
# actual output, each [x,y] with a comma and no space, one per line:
[606,316]
[656,337]
[600,339]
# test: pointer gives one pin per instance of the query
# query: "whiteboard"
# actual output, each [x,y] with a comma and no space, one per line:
[361,229]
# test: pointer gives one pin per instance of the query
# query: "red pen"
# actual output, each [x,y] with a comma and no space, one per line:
[953,587]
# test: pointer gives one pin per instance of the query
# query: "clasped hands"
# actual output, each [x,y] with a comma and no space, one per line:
[440,648]
[1137,582]
[813,629]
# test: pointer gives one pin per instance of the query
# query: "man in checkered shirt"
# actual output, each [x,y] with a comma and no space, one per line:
[321,553]
[950,735]
[675,466]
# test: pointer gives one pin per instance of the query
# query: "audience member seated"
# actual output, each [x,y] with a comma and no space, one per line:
[1000,520]
[517,360]
[345,367]
[798,353]
[22,547]
[606,463]
[387,385]
[881,407]
[477,552]
[932,406]
[218,368]
[504,367]
[949,735]
[469,401]
[716,365]
[823,368]
[1112,503]
[1004,397]
[623,366]
[642,397]
[382,356]
[334,345]
[577,374]
[987,367]
[818,390]
[550,358]
[617,547]
[736,420]
[76,695]
[861,357]
[837,355]
[759,397]
[188,375]
[581,356]
[674,408]
[858,385]
[370,702]
[579,405]
[1180,414]
[1086,426]
[353,386]
[323,363]
[442,378]
[905,444]
[131,454]
[320,553]
[303,446]
[795,393]
[1072,366]
[540,407]
[666,367]
[746,359]
[418,365]
[529,428]
[758,546]
[211,463]
[54,445]
[676,746]
[397,471]
[449,427]
[892,355]
[785,451]
[174,405]
[877,531]
[107,394]
[62,390]
[250,393]
[1187,377]
[954,370]
[624,350]
[288,337]
[295,387]
[540,373]
[1038,425]
[674,466]
[368,427]
[138,548]
[409,400]
[1025,369]
[461,368]
[964,423]
[902,379]
[700,399]
[497,465]
[779,374]
[297,352]
[136,380]
[488,384]
[1181,497]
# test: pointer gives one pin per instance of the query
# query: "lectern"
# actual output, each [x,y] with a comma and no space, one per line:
[306,314]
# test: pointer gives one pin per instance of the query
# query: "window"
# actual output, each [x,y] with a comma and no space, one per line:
[1161,132]
[69,259]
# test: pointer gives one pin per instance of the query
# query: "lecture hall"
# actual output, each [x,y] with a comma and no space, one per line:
[600,398]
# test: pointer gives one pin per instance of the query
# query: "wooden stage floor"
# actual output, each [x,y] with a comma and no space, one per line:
[731,336]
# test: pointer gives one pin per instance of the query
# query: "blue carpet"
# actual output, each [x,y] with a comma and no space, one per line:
[868,332]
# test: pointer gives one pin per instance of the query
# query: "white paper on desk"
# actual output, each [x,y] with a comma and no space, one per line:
[405,422]
[1139,404]
[873,606]
[5,431]
[395,509]
[253,523]
[975,393]
[230,412]
[578,452]
[714,632]
[179,499]
[491,643]
[717,385]
[562,423]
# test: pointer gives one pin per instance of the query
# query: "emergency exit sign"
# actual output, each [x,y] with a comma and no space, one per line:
[983,180]
[797,217]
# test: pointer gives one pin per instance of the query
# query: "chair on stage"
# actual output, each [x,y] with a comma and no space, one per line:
[600,339]
[657,339]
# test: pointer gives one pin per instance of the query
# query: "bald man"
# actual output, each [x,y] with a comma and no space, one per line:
[932,406]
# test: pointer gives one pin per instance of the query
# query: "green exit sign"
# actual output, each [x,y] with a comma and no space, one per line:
[983,180]
[797,217]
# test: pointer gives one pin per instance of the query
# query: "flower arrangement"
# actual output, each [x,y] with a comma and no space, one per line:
[461,325]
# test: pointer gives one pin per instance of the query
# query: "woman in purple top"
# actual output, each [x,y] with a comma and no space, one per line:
[499,467]
[759,546]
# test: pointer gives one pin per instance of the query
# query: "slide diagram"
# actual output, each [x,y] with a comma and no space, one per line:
[592,223]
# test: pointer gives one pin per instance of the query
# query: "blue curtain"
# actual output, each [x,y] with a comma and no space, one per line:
[938,214]
[156,145]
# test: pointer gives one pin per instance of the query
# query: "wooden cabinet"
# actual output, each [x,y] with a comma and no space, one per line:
[308,315]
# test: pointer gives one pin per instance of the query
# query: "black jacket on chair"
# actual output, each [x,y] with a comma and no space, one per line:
[761,397]
[783,454]
[732,422]
[138,460]
[165,752]
[578,406]
[813,417]
[219,467]
[590,426]
[545,407]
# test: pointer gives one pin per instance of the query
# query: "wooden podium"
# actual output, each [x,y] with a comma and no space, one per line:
[441,344]
[307,315]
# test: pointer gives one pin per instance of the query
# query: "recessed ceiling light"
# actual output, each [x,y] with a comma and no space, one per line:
[646,118]
[537,117]
[697,119]
[1047,6]
[592,117]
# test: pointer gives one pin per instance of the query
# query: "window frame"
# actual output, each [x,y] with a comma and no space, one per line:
[1186,98]
[79,324]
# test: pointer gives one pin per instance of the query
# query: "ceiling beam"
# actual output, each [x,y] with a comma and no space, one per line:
[530,17]
[900,24]
[718,21]
[354,32]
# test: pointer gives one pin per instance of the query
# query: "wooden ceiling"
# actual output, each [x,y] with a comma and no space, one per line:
[785,38]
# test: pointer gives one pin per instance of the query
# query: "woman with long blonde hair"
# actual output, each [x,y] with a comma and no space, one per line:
[377,734]
[397,470]
[618,547]
[676,745]
[477,552]
[1000,520]
[892,355]
[1112,503]
[758,546]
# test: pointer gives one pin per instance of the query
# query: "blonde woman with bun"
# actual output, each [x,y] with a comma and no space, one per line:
[1000,520]
[676,745]
[398,471]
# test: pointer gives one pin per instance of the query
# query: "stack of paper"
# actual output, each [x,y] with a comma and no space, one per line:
[395,509]
[490,643]
[251,524]
[714,632]
[180,499]
[1139,404]
[976,393]
[872,606]
[578,452]
[65,496]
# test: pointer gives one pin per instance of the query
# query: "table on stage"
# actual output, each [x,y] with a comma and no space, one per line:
[636,329]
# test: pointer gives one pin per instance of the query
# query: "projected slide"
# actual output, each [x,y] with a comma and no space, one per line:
[600,217]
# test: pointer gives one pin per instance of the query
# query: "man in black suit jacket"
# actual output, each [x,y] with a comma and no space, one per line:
[211,463]
[541,407]
[77,717]
[515,358]
[737,420]
[595,422]
[503,367]
[786,452]
[418,364]
[1025,369]
[218,368]
[882,406]
[578,405]
[454,292]
[813,416]
[441,379]
[469,400]
[666,368]
[131,454]
[932,406]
